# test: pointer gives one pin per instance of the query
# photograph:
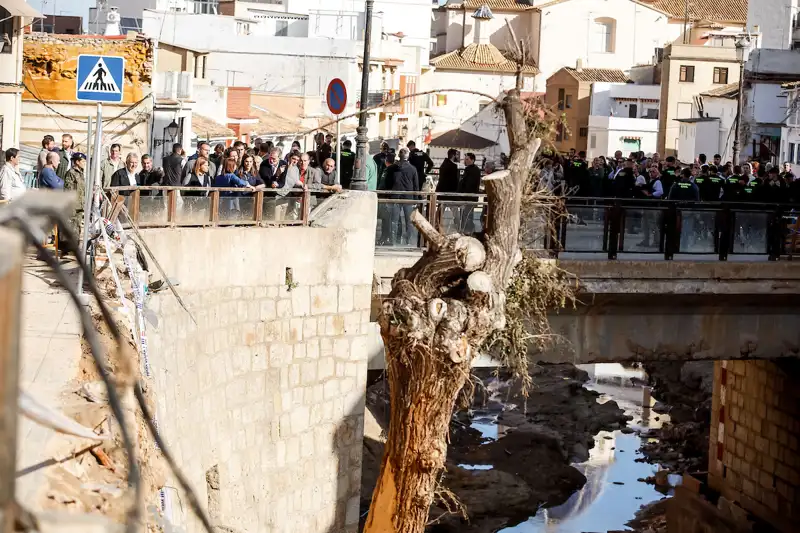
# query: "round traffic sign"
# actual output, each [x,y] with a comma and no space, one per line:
[336,96]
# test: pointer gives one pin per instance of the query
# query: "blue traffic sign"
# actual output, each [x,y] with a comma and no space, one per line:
[336,96]
[100,78]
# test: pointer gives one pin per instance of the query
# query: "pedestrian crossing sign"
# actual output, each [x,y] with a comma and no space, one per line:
[100,78]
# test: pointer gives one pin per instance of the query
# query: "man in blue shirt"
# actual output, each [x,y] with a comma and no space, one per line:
[48,179]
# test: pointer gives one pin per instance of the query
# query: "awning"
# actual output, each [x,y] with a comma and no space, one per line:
[630,138]
[20,8]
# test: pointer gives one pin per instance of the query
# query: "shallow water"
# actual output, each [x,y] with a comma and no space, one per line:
[612,494]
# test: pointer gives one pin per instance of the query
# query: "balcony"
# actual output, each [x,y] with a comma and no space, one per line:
[385,101]
[174,86]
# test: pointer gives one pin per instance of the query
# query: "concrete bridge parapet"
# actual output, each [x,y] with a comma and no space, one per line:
[659,310]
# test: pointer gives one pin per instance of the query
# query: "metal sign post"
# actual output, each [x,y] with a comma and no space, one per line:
[87,202]
[336,96]
[99,79]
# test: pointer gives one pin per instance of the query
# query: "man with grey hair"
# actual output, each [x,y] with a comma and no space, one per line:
[403,178]
[126,176]
[489,167]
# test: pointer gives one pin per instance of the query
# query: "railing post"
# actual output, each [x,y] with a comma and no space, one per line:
[172,206]
[671,232]
[258,208]
[214,207]
[724,224]
[135,205]
[433,211]
[775,234]
[306,206]
[614,229]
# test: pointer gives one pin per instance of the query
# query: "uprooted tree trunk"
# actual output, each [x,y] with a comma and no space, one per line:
[440,311]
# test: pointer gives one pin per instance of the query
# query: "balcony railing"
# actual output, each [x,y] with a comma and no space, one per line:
[389,100]
[599,228]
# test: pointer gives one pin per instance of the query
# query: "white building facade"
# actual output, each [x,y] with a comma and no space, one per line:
[623,117]
[790,132]
[14,16]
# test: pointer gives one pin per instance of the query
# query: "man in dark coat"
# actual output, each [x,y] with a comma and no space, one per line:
[470,184]
[448,173]
[402,177]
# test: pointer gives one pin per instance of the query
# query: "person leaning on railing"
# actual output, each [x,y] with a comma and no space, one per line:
[199,176]
[126,176]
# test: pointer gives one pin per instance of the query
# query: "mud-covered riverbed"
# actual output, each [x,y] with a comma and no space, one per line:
[510,455]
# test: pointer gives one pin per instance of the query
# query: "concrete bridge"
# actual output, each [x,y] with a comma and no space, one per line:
[662,310]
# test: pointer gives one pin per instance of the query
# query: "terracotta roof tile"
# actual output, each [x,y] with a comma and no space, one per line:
[709,10]
[494,5]
[205,128]
[483,57]
[590,75]
[725,91]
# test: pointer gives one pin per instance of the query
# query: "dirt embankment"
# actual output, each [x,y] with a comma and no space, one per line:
[530,465]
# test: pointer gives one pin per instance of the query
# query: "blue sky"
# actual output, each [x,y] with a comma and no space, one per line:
[64,7]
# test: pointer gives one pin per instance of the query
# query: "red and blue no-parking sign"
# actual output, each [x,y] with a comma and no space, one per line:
[336,96]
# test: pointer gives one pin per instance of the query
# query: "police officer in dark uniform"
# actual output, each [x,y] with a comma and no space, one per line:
[625,181]
[670,174]
[731,189]
[684,190]
[713,188]
[577,174]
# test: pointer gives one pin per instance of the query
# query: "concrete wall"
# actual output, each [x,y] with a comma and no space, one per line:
[607,134]
[774,21]
[267,390]
[697,138]
[754,450]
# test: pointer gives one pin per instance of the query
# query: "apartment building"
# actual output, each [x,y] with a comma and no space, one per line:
[688,71]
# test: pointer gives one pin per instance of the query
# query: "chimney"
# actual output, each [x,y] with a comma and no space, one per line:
[579,65]
[481,30]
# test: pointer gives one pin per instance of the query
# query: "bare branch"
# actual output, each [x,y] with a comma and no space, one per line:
[427,230]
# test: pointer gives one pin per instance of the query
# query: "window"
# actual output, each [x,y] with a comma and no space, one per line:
[593,142]
[687,73]
[603,33]
[651,113]
[584,132]
[282,28]
[561,99]
[633,111]
[7,31]
[791,152]
[568,101]
[720,75]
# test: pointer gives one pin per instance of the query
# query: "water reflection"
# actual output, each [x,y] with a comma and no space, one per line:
[612,494]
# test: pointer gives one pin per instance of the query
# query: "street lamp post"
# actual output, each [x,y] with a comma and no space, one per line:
[741,45]
[359,182]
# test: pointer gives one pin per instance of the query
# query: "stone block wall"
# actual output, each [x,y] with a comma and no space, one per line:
[754,448]
[263,399]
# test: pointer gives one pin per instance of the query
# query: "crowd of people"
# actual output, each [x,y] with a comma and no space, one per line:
[638,176]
